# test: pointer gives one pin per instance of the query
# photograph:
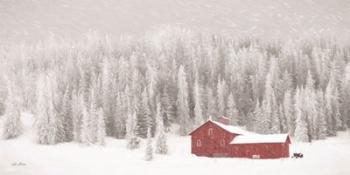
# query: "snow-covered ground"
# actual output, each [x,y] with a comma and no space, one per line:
[327,157]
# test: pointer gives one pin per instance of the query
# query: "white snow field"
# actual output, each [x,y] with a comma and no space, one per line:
[327,157]
[36,19]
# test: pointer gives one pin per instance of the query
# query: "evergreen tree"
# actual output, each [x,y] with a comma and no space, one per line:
[320,124]
[144,114]
[283,120]
[345,97]
[310,104]
[330,110]
[286,82]
[301,131]
[77,101]
[12,125]
[66,113]
[231,110]
[161,143]
[93,116]
[198,112]
[288,112]
[221,97]
[132,141]
[45,123]
[119,119]
[86,128]
[265,117]
[276,123]
[182,103]
[107,94]
[168,107]
[269,108]
[337,117]
[211,103]
[257,114]
[101,129]
[258,80]
[149,148]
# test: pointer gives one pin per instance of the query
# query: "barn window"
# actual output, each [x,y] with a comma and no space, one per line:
[210,131]
[199,143]
[222,142]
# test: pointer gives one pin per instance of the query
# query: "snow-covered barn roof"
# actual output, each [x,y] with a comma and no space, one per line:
[231,129]
[259,138]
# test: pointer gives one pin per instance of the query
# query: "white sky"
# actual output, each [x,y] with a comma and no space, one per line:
[33,20]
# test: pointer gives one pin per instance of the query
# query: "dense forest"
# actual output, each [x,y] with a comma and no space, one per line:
[173,81]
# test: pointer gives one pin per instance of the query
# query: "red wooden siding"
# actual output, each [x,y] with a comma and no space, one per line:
[263,150]
[214,144]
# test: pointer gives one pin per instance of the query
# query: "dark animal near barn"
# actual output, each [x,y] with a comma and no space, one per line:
[298,155]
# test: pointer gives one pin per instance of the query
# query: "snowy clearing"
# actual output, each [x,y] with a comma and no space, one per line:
[329,156]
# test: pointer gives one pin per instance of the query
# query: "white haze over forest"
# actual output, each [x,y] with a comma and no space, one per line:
[129,79]
[33,20]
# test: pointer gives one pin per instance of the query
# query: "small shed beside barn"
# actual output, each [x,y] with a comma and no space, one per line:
[219,139]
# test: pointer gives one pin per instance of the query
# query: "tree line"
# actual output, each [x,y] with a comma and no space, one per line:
[173,81]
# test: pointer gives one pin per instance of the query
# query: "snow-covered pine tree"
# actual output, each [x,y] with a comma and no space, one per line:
[337,116]
[161,143]
[133,142]
[258,80]
[86,135]
[268,107]
[221,97]
[283,119]
[168,108]
[12,125]
[182,103]
[254,124]
[198,111]
[45,123]
[211,103]
[264,121]
[301,131]
[286,82]
[152,78]
[288,110]
[77,115]
[66,115]
[84,85]
[93,116]
[310,104]
[320,124]
[149,148]
[101,128]
[55,125]
[330,113]
[231,110]
[275,82]
[345,96]
[107,94]
[119,119]
[144,114]
[275,126]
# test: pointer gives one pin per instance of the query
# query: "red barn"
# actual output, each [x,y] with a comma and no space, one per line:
[218,139]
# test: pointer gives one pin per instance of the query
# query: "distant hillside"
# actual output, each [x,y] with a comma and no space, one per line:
[33,20]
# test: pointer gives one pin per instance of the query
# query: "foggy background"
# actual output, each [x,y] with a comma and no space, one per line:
[33,20]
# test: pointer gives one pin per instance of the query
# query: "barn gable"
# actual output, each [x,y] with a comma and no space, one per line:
[228,128]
